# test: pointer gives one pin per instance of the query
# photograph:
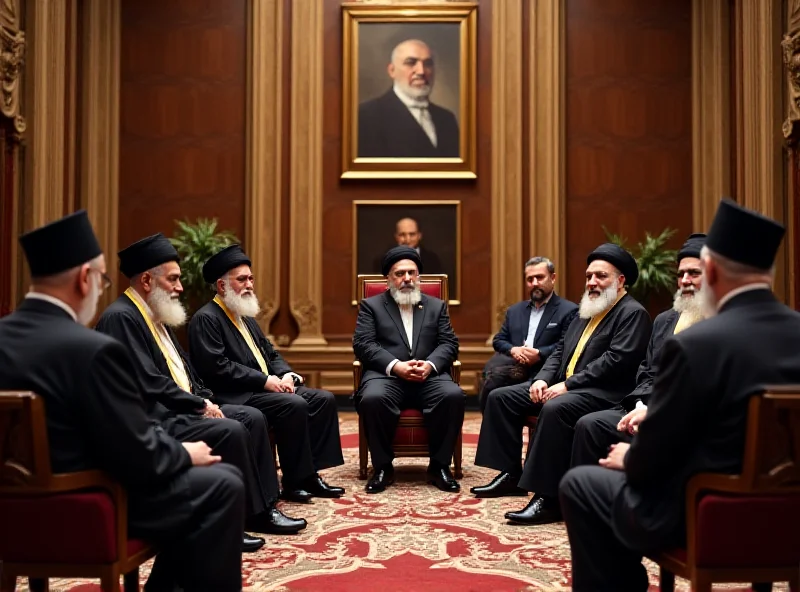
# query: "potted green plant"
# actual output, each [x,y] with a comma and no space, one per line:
[656,264]
[196,243]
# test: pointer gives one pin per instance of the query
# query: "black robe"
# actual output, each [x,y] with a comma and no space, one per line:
[96,419]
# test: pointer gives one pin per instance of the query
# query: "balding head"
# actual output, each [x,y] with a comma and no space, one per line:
[411,68]
[406,232]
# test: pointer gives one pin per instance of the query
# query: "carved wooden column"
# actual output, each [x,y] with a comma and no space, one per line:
[791,133]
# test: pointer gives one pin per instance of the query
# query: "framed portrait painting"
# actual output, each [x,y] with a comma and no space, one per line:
[409,91]
[431,227]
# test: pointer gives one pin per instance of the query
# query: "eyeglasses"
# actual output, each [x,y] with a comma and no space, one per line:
[106,279]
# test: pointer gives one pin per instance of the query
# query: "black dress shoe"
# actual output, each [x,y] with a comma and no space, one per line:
[502,485]
[380,480]
[318,488]
[251,543]
[295,494]
[273,521]
[442,478]
[540,510]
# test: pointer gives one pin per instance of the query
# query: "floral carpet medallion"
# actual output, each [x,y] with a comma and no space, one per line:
[411,537]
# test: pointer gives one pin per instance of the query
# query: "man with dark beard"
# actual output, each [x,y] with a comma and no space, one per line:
[143,318]
[596,432]
[592,368]
[238,362]
[405,342]
[180,497]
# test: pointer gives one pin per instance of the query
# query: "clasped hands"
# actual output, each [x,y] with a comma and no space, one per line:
[280,385]
[541,393]
[616,454]
[413,370]
[212,410]
[527,356]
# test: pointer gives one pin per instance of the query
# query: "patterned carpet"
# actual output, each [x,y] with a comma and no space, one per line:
[413,537]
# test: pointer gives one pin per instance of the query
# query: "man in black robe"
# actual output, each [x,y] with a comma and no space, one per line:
[592,368]
[634,503]
[142,318]
[239,363]
[407,346]
[596,432]
[180,497]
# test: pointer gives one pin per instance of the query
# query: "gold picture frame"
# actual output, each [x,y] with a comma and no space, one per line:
[393,144]
[374,224]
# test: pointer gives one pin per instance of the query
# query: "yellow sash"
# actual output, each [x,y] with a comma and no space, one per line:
[587,333]
[245,334]
[684,322]
[180,378]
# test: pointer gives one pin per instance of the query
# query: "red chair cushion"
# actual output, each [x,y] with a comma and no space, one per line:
[432,289]
[758,531]
[64,528]
[429,288]
[411,436]
[373,289]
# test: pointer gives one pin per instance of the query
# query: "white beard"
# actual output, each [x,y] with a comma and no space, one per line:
[89,305]
[244,306]
[692,306]
[591,307]
[166,308]
[416,92]
[406,297]
[707,302]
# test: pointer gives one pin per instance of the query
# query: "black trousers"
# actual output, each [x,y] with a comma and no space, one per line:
[500,439]
[306,425]
[501,370]
[242,440]
[202,550]
[380,401]
[594,435]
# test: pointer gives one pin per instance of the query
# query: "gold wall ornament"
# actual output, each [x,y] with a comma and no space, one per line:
[12,58]
[791,59]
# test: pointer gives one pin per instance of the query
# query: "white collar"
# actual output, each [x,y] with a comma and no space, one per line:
[408,101]
[742,290]
[55,301]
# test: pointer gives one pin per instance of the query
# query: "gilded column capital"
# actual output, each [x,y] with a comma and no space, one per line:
[12,58]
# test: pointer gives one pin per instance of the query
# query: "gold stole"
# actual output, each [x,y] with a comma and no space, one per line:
[587,333]
[248,339]
[684,322]
[180,378]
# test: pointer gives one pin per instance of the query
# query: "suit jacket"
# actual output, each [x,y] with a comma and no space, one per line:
[380,336]
[607,366]
[663,329]
[387,129]
[165,399]
[556,317]
[96,418]
[698,412]
[223,358]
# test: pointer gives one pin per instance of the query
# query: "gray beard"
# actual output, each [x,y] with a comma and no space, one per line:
[707,301]
[166,309]
[692,306]
[589,307]
[244,306]
[406,298]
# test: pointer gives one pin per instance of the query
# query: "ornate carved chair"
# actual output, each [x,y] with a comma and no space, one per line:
[411,439]
[744,528]
[58,525]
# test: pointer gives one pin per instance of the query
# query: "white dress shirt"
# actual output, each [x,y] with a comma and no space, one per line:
[407,316]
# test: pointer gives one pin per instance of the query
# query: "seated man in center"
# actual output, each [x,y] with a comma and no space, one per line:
[237,361]
[592,368]
[406,344]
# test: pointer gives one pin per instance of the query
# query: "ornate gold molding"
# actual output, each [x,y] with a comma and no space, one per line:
[264,128]
[711,100]
[507,155]
[99,108]
[791,59]
[305,190]
[546,178]
[12,53]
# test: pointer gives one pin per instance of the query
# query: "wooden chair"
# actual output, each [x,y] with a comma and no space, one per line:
[411,438]
[744,528]
[58,525]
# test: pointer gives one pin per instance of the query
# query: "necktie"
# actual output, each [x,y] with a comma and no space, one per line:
[425,121]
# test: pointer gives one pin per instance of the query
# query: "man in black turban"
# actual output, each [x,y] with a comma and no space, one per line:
[592,368]
[143,318]
[405,342]
[634,502]
[237,361]
[180,497]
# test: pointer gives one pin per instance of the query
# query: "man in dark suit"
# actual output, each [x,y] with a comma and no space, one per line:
[592,368]
[143,318]
[179,498]
[405,342]
[635,502]
[594,433]
[403,123]
[237,361]
[530,332]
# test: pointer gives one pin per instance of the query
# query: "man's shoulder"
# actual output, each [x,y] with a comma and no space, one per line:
[438,110]
[666,316]
[121,307]
[629,305]
[564,305]
[377,104]
[517,307]
[208,311]
[376,300]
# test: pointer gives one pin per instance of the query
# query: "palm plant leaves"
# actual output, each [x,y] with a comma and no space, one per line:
[656,263]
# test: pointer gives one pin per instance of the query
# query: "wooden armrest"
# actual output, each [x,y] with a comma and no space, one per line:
[67,482]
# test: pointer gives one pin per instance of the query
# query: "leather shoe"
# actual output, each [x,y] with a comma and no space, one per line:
[273,521]
[318,488]
[251,543]
[442,478]
[380,480]
[502,485]
[540,510]
[295,494]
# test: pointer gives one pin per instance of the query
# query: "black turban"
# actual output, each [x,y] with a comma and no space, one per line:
[146,254]
[222,262]
[60,245]
[744,236]
[692,246]
[399,253]
[619,258]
